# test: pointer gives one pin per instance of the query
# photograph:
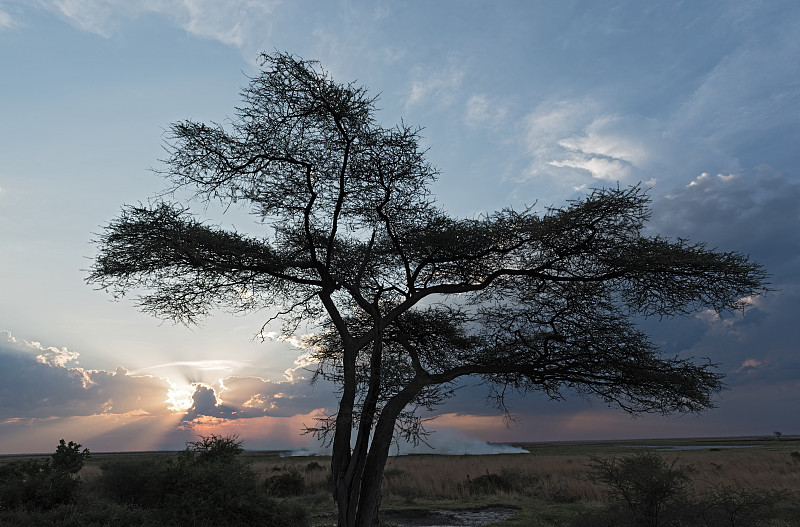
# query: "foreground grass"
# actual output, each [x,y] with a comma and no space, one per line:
[551,485]
[548,487]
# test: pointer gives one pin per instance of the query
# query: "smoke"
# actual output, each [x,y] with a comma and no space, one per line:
[445,443]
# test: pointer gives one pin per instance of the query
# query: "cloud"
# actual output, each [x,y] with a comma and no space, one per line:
[195,370]
[233,22]
[439,86]
[749,365]
[754,213]
[6,22]
[206,404]
[662,111]
[740,106]
[569,144]
[40,382]
[610,148]
[45,390]
[758,216]
[253,396]
[482,112]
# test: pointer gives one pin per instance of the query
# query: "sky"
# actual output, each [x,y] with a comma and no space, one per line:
[522,103]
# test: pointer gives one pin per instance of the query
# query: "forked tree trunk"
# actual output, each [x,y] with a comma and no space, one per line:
[363,495]
[371,480]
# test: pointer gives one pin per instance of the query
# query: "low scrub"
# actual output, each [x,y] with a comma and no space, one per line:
[646,491]
[289,483]
[43,484]
[208,484]
[643,484]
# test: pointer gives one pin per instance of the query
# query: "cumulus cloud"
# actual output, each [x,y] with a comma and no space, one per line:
[205,403]
[46,382]
[254,396]
[232,22]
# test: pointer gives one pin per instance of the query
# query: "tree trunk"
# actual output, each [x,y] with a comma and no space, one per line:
[348,464]
[372,477]
[341,459]
[371,480]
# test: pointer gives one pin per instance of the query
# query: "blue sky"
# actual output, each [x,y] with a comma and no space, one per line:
[522,102]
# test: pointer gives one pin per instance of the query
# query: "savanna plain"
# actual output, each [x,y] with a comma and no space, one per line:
[732,482]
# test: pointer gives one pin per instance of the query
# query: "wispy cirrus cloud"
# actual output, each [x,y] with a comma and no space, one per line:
[439,85]
[483,112]
[232,22]
[6,22]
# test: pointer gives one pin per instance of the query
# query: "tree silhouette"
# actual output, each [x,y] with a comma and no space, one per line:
[406,298]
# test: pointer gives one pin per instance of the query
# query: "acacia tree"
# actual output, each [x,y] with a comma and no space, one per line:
[407,300]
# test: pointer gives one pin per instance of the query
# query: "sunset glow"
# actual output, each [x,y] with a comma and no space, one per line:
[179,397]
[523,104]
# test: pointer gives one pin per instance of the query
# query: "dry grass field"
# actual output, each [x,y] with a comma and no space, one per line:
[745,482]
[553,482]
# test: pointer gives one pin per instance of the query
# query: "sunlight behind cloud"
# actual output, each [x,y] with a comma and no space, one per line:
[179,397]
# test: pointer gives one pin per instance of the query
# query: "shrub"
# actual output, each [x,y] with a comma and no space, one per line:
[313,466]
[42,484]
[729,506]
[643,483]
[289,483]
[33,484]
[215,448]
[205,485]
[68,457]
[134,480]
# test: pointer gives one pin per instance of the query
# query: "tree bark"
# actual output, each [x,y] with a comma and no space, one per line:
[372,477]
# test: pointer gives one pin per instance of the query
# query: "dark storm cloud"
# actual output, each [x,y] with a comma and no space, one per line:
[758,216]
[758,349]
[47,382]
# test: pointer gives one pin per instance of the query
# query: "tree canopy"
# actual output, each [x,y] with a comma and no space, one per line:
[405,298]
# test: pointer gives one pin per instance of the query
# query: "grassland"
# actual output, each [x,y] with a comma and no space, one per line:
[550,486]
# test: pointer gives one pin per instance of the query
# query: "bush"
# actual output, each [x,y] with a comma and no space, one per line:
[643,483]
[42,484]
[134,480]
[215,448]
[313,466]
[32,484]
[290,483]
[729,506]
[205,485]
[68,457]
